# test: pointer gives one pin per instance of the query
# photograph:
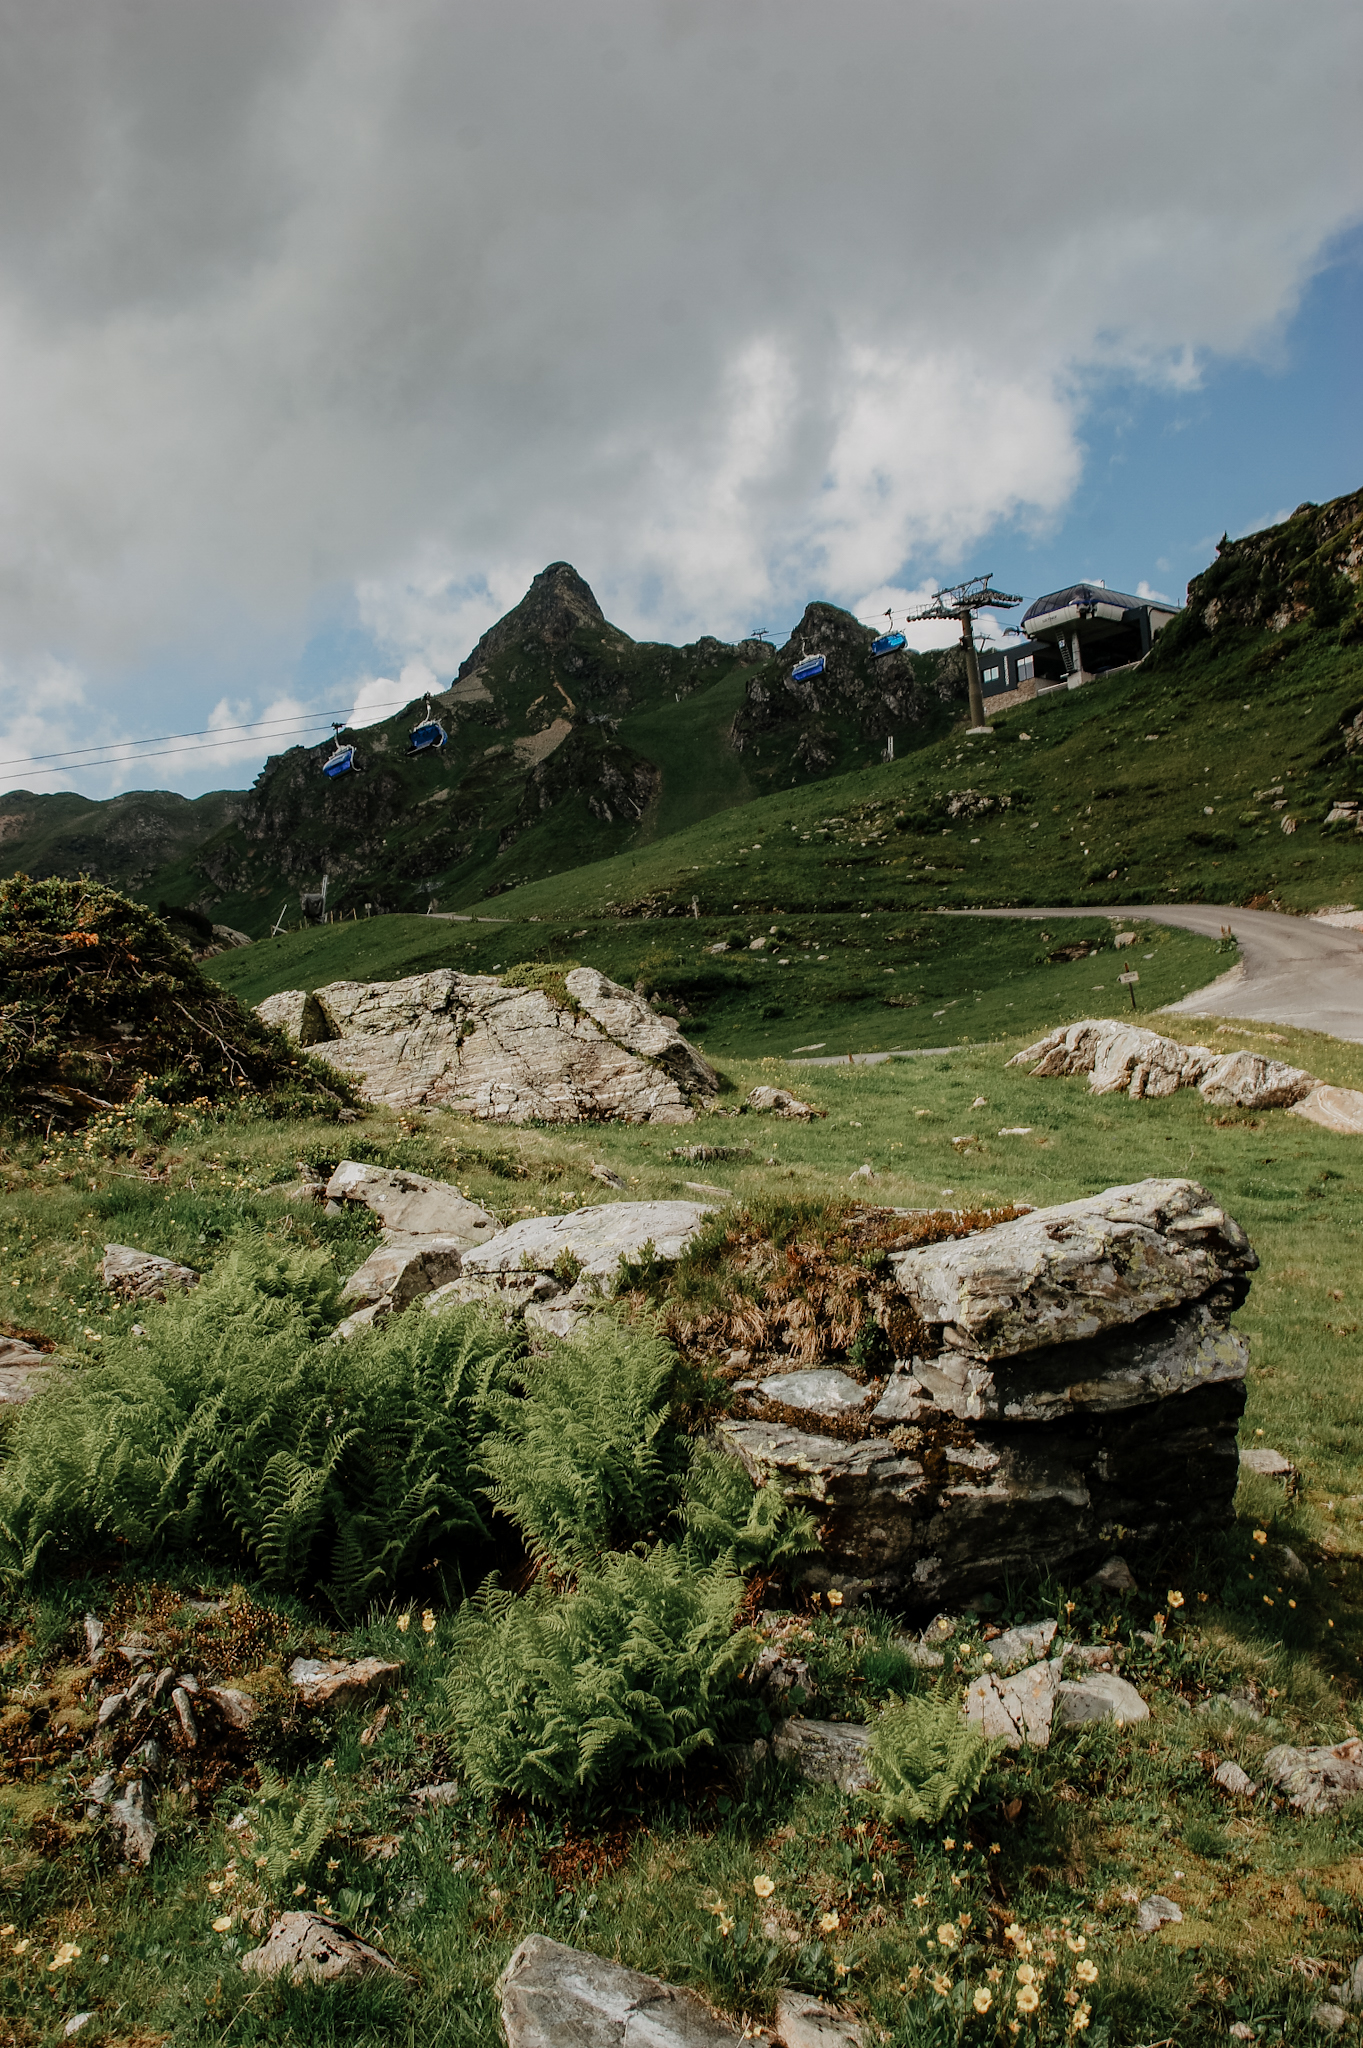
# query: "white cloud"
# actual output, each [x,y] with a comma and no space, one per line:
[729,304]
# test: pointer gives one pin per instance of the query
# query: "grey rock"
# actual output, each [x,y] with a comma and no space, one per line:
[821,1392]
[1016,1710]
[1235,1783]
[598,1238]
[558,1997]
[311,1949]
[1127,1059]
[1019,1646]
[607,1178]
[557,1319]
[777,1672]
[184,1714]
[94,1638]
[24,1372]
[1060,1275]
[1154,1911]
[826,1752]
[919,1653]
[1102,1696]
[149,1757]
[297,1014]
[1335,1109]
[110,1707]
[397,1275]
[1238,1705]
[1329,2017]
[780,1102]
[80,2020]
[1115,1576]
[332,1682]
[1268,1464]
[444,1794]
[99,1792]
[804,2022]
[410,1205]
[134,1815]
[1350,1992]
[142,1276]
[904,1400]
[1317,1780]
[1291,1566]
[468,1043]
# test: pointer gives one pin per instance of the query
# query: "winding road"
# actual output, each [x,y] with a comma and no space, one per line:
[1292,970]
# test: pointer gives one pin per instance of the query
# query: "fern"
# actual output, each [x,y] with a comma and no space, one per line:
[290,1829]
[556,1698]
[587,1455]
[237,1428]
[927,1758]
[731,1522]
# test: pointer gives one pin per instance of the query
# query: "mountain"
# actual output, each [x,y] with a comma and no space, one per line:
[131,841]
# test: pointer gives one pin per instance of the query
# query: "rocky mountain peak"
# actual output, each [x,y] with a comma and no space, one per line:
[557,604]
[824,629]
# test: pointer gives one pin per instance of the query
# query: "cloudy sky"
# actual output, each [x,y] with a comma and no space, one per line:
[324,326]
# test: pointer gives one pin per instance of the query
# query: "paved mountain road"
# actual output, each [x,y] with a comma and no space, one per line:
[1292,970]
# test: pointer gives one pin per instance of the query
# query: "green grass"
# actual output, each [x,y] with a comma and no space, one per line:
[849,982]
[450,1892]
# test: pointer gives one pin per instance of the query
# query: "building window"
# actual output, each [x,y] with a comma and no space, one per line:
[1026,668]
[989,675]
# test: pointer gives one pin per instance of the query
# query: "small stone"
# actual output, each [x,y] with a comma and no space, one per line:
[135,1817]
[1102,1696]
[110,1707]
[1291,1566]
[184,1714]
[1114,1577]
[553,1996]
[1317,1780]
[1019,1646]
[1239,2031]
[826,1752]
[94,1638]
[1234,1782]
[1330,2018]
[148,1756]
[1238,1704]
[820,1392]
[400,1273]
[237,1709]
[780,1102]
[1154,1911]
[1335,1109]
[143,1276]
[331,1682]
[444,1794]
[76,2022]
[803,2022]
[315,1950]
[605,1175]
[1016,1710]
[411,1204]
[863,1172]
[1268,1464]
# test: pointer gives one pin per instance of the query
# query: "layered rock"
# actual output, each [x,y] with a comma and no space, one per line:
[1126,1059]
[1076,1373]
[469,1042]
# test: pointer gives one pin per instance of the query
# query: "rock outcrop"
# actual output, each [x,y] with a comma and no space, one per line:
[1125,1059]
[470,1042]
[309,1948]
[553,1995]
[144,1276]
[1075,1373]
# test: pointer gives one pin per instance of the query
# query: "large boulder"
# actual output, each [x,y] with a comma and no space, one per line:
[410,1205]
[559,1997]
[469,1042]
[1076,1372]
[1123,1058]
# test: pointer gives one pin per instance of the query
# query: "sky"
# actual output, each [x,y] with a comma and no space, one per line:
[325,326]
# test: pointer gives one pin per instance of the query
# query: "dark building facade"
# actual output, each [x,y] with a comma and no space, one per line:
[1075,634]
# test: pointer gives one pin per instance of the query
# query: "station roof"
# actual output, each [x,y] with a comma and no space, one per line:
[1092,593]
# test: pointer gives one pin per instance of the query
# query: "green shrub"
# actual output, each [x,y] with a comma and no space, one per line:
[239,1429]
[927,1759]
[586,1456]
[557,1698]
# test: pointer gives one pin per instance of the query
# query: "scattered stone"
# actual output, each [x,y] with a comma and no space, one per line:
[1154,1911]
[1329,2017]
[397,1275]
[134,1815]
[708,1187]
[1240,2031]
[99,1792]
[1291,1566]
[777,1672]
[94,1638]
[1019,1646]
[184,1714]
[445,1794]
[331,1682]
[780,1102]
[605,1175]
[1235,1783]
[315,1950]
[803,2022]
[80,2019]
[1350,1992]
[1102,1696]
[16,1351]
[1317,1780]
[826,1752]
[553,1996]
[142,1276]
[598,1238]
[410,1205]
[1238,1705]
[469,1043]
[822,1392]
[110,1707]
[1268,1464]
[1014,1710]
[1125,1059]
[1337,1109]
[19,1383]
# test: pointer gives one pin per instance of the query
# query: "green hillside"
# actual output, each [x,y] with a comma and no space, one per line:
[142,843]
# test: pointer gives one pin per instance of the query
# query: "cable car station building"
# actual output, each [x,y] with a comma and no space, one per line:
[1075,635]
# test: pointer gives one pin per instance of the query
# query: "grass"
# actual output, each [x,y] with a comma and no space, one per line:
[848,982]
[449,1891]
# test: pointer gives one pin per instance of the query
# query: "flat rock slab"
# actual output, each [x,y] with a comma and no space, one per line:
[1016,1710]
[804,2022]
[1066,1273]
[826,1752]
[331,1682]
[1235,1783]
[822,1392]
[1123,1058]
[16,1351]
[19,1383]
[1017,1647]
[1102,1696]
[1335,1109]
[143,1276]
[558,1997]
[1317,1780]
[1268,1464]
[598,1238]
[308,1948]
[410,1204]
[469,1043]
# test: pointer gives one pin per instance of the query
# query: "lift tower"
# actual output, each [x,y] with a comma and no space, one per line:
[961,602]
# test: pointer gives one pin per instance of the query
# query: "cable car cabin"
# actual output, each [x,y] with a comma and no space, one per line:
[803,671]
[888,643]
[430,733]
[339,762]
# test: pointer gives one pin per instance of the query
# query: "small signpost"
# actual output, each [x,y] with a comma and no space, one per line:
[1129,980]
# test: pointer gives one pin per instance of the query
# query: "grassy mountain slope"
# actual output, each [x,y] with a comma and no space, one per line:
[129,841]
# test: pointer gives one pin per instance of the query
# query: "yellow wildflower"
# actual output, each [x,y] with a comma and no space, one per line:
[1261,1535]
[1076,1942]
[1080,2017]
[6,1930]
[1012,1932]
[1028,1999]
[1175,1599]
[1087,1973]
[840,1970]
[21,1946]
[949,1843]
[404,1622]
[67,1953]
[993,1975]
[764,1886]
[222,1923]
[427,1621]
[940,1984]
[215,1885]
[920,1899]
[947,1935]
[983,1999]
[828,1922]
[833,1599]
[1025,1973]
